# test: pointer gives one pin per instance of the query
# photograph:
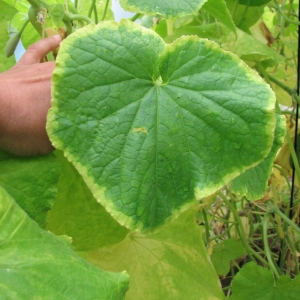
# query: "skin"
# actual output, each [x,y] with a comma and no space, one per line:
[25,97]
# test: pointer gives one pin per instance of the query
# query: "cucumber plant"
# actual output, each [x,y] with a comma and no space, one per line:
[166,130]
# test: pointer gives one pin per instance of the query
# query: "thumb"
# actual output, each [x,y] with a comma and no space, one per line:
[38,50]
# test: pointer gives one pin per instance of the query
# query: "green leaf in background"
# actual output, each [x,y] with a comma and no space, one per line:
[253,182]
[254,2]
[6,14]
[219,10]
[152,127]
[84,7]
[56,12]
[76,213]
[224,253]
[249,48]
[209,31]
[165,8]
[244,16]
[38,265]
[256,282]
[170,264]
[32,182]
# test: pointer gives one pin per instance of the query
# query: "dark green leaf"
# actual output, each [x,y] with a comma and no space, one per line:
[153,127]
[32,182]
[254,2]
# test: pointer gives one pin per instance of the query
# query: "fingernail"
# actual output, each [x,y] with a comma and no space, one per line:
[57,37]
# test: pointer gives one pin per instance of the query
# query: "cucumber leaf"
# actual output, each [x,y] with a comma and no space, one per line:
[170,264]
[256,282]
[151,126]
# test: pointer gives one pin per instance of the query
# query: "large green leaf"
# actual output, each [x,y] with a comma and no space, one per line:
[38,265]
[253,182]
[153,127]
[76,213]
[256,282]
[165,8]
[32,182]
[170,264]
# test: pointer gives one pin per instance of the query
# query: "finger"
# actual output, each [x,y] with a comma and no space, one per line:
[37,51]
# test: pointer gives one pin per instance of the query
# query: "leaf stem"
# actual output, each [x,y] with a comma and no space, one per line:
[91,8]
[287,89]
[95,14]
[105,10]
[77,17]
[283,174]
[244,13]
[267,79]
[206,226]
[170,25]
[293,154]
[135,17]
[278,220]
[294,251]
[35,4]
[277,6]
[267,249]
[284,217]
[242,234]
[235,6]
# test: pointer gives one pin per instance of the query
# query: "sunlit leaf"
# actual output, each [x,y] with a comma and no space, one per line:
[170,264]
[76,213]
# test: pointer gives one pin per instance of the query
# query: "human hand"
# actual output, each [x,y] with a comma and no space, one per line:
[25,95]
